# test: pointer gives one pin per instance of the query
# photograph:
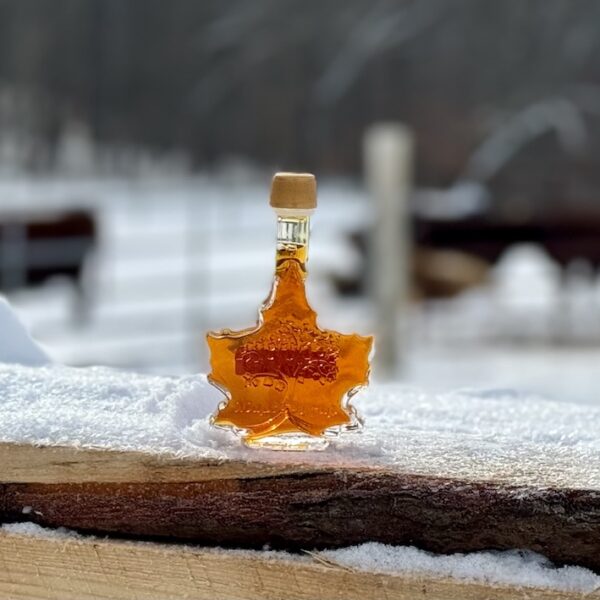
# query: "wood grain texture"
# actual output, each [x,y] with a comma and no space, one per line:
[291,506]
[45,568]
[57,464]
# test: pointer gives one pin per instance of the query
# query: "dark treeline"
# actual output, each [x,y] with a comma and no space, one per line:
[294,82]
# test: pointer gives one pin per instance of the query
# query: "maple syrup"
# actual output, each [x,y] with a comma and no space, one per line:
[288,382]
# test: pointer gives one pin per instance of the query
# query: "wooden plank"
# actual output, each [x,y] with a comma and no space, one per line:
[37,568]
[292,506]
[21,463]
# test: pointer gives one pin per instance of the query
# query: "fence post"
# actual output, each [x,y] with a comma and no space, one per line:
[388,161]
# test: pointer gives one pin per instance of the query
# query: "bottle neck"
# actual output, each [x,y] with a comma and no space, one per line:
[293,231]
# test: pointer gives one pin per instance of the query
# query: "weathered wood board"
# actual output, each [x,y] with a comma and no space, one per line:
[301,506]
[447,473]
[34,568]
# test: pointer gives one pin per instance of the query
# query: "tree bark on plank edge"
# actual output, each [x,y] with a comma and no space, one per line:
[327,509]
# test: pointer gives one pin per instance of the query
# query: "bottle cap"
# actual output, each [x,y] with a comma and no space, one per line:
[294,190]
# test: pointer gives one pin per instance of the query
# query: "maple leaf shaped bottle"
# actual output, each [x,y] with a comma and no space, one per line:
[289,383]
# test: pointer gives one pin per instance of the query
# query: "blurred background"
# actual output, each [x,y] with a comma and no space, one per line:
[456,144]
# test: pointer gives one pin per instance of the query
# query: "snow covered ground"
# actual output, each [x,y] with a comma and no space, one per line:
[183,255]
[532,328]
[176,258]
[16,345]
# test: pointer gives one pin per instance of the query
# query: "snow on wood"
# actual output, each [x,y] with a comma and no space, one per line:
[126,454]
[494,435]
[72,566]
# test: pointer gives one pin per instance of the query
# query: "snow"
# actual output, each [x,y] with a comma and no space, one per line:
[16,345]
[556,373]
[175,257]
[181,255]
[474,435]
[533,327]
[33,530]
[513,568]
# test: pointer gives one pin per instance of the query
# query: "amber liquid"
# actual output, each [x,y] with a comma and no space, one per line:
[286,376]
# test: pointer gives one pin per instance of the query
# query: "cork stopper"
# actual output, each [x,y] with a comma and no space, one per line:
[294,190]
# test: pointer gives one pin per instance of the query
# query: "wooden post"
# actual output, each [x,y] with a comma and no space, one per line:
[388,157]
[13,256]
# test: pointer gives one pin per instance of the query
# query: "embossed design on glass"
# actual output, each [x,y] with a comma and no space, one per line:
[288,382]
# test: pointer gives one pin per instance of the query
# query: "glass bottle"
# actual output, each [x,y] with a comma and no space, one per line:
[288,382]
